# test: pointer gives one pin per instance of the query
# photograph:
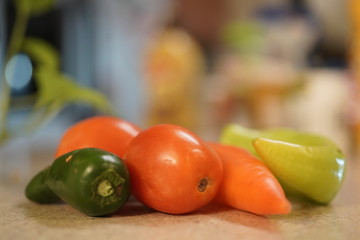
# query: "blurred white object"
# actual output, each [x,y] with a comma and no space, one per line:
[290,39]
[322,106]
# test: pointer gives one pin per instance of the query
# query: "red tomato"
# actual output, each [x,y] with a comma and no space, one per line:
[172,170]
[108,133]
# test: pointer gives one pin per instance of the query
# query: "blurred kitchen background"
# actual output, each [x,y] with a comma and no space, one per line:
[200,64]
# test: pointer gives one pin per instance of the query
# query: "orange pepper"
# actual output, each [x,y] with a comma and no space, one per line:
[247,183]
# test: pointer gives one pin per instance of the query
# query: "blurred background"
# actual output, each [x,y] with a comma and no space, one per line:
[199,64]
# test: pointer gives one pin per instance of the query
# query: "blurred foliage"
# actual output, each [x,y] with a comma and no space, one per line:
[34,7]
[243,37]
[55,89]
[41,52]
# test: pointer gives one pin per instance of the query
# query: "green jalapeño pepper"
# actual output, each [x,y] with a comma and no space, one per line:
[37,190]
[306,165]
[91,180]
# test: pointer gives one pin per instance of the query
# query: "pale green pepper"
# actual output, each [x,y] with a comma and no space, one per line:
[307,164]
[237,135]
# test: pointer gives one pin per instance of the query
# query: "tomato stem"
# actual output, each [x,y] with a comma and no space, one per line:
[203,184]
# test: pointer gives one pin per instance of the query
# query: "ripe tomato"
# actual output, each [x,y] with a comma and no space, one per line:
[108,133]
[172,170]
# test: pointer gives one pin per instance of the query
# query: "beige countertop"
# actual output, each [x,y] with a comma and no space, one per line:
[22,219]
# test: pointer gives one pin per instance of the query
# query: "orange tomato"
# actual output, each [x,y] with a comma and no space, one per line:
[248,184]
[172,170]
[105,132]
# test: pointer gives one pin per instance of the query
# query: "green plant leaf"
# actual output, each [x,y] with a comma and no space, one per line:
[41,52]
[56,90]
[34,7]
[50,86]
[89,96]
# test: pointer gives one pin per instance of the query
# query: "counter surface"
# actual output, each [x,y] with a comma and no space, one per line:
[22,219]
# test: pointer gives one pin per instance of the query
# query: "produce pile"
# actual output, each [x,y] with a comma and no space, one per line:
[102,160]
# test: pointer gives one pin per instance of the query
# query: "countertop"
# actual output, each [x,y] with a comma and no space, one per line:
[22,219]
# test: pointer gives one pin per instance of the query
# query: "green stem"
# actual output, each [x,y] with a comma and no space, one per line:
[105,188]
[16,38]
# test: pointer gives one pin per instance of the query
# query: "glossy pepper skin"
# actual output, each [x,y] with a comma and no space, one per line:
[316,171]
[237,135]
[91,180]
[37,191]
[307,165]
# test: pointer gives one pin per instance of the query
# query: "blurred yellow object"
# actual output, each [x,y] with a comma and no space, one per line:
[174,69]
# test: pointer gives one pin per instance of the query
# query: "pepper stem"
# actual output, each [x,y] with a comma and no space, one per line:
[105,188]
